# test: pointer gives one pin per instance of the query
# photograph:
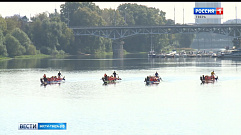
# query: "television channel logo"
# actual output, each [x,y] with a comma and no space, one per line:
[42,126]
[204,13]
[208,11]
[27,126]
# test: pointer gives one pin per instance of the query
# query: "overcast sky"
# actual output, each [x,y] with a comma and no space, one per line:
[33,8]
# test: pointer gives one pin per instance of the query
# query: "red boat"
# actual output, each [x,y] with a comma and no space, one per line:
[208,79]
[152,80]
[110,79]
[52,80]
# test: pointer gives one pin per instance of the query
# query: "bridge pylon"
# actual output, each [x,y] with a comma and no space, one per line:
[117,47]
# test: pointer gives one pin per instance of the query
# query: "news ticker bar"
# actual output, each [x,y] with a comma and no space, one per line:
[208,16]
[42,126]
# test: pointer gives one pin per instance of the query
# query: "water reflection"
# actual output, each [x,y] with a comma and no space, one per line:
[110,83]
[45,85]
[20,63]
[130,61]
[151,84]
[205,83]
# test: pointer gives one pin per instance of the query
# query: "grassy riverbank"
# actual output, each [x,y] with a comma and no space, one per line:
[4,58]
[40,56]
[37,56]
[32,56]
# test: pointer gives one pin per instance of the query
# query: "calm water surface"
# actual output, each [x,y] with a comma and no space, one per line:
[179,105]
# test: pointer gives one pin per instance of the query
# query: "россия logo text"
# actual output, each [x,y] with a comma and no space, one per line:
[208,11]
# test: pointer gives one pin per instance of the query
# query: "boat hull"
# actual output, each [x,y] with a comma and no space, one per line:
[56,81]
[152,80]
[152,55]
[208,79]
[110,80]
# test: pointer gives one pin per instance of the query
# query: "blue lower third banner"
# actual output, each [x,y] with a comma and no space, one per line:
[51,126]
[42,126]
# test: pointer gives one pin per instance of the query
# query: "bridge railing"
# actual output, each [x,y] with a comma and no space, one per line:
[119,32]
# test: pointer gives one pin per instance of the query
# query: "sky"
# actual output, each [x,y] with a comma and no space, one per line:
[31,9]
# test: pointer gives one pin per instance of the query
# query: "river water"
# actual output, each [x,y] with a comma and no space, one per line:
[179,105]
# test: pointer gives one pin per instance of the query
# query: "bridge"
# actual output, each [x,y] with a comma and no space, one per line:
[121,32]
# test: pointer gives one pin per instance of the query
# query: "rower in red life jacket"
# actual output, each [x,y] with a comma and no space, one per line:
[105,76]
[45,79]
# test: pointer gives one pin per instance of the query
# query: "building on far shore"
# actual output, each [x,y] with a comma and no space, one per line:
[206,40]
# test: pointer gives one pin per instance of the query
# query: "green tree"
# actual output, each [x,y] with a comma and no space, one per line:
[127,12]
[14,48]
[37,33]
[3,49]
[13,22]
[85,17]
[31,50]
[66,39]
[113,17]
[50,35]
[85,14]
[141,15]
[145,16]
[24,40]
[22,37]
[3,24]
[69,8]
[41,17]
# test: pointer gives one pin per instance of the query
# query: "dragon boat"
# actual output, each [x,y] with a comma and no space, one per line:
[152,80]
[208,79]
[52,80]
[110,79]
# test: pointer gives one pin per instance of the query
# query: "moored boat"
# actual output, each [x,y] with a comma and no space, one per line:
[230,54]
[152,54]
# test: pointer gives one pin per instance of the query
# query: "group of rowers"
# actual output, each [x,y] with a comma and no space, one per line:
[108,78]
[212,77]
[153,78]
[53,78]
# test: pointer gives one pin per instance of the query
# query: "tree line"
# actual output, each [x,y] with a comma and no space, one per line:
[49,33]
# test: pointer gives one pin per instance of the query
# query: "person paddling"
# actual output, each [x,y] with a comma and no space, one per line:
[114,74]
[212,73]
[156,74]
[105,76]
[45,78]
[59,74]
